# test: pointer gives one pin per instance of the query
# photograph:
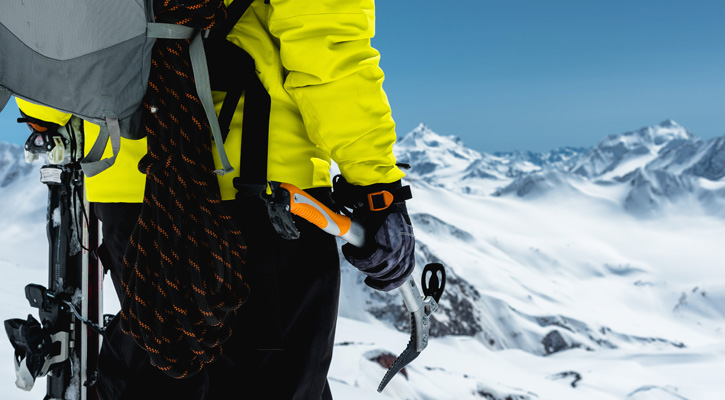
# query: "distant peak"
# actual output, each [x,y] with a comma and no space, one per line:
[659,134]
[668,123]
[670,130]
[423,140]
[421,130]
[421,127]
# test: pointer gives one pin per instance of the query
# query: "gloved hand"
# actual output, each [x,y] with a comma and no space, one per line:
[387,258]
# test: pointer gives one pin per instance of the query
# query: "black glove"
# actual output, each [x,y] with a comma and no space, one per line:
[387,258]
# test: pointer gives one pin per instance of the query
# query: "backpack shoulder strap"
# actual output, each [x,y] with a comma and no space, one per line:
[234,74]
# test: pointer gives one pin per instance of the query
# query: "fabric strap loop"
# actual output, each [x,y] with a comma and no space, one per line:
[160,30]
[94,163]
[203,89]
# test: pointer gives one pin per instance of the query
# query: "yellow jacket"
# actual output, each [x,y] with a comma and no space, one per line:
[327,102]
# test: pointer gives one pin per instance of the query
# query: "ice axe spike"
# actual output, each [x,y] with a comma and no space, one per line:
[419,307]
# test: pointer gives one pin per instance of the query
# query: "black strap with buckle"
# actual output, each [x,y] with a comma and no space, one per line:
[378,201]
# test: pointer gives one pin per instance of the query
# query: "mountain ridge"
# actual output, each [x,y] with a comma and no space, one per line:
[676,165]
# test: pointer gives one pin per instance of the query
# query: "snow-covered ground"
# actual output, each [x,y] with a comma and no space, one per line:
[642,302]
[631,299]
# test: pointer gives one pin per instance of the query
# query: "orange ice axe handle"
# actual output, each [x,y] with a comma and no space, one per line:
[307,207]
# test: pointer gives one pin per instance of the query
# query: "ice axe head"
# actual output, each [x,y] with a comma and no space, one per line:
[278,202]
[420,309]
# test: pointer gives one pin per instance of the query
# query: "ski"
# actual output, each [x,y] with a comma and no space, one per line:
[92,308]
[63,344]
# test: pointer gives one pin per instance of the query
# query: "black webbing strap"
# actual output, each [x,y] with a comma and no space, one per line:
[234,13]
[232,70]
[380,200]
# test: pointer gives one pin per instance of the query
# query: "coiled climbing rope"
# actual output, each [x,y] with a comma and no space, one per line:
[183,267]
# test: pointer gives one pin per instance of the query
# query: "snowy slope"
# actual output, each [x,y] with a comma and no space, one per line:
[561,285]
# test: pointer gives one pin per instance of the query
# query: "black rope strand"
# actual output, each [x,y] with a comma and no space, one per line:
[183,267]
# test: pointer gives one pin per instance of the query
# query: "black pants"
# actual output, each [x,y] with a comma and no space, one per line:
[282,340]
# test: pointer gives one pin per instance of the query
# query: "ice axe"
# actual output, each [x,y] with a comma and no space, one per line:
[284,199]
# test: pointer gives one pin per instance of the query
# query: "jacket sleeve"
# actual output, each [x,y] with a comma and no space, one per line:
[333,74]
[43,113]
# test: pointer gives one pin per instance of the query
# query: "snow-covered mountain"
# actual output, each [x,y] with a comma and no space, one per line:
[22,203]
[445,162]
[619,154]
[645,171]
[572,274]
[12,164]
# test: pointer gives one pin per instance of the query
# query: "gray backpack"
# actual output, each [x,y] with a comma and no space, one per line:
[90,58]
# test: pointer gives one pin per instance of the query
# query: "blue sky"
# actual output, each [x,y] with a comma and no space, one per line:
[534,75]
[539,74]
